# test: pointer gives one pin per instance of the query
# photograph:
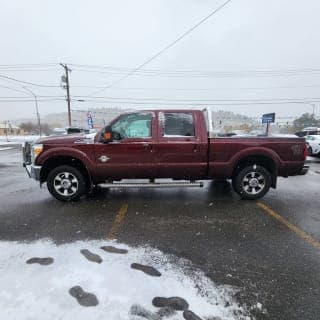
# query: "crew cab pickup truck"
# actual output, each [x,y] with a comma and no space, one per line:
[176,145]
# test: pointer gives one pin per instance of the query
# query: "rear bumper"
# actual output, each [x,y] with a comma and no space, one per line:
[33,171]
[304,170]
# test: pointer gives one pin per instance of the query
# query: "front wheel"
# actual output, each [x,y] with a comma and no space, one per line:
[252,182]
[66,183]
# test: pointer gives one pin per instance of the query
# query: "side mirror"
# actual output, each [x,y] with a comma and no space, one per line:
[107,134]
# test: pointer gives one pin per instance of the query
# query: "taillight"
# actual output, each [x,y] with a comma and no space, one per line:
[305,151]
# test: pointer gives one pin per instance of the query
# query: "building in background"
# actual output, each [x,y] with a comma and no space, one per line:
[6,128]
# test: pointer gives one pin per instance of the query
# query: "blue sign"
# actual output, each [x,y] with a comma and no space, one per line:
[268,118]
[90,121]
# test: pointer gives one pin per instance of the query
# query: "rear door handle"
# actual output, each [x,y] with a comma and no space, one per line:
[147,146]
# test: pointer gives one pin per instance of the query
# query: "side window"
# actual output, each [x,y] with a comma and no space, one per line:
[178,124]
[133,125]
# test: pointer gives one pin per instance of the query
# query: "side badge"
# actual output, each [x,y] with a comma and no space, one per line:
[104,158]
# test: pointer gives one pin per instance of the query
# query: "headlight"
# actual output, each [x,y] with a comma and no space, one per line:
[35,151]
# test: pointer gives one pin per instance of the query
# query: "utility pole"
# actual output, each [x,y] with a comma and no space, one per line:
[6,130]
[313,109]
[65,80]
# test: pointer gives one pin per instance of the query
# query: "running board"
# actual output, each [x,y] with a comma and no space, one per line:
[151,185]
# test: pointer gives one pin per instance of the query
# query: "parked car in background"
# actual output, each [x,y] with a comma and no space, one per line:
[313,142]
[69,130]
[308,132]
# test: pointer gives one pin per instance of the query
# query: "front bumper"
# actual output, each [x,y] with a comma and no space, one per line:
[304,170]
[33,171]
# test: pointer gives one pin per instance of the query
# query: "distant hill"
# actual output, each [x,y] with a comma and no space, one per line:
[223,120]
[227,121]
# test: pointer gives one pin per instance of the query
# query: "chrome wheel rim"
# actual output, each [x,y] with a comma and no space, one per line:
[66,184]
[253,183]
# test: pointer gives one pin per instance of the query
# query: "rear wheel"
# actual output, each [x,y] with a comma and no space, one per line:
[66,183]
[310,153]
[252,182]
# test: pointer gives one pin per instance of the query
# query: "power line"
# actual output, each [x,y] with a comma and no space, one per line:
[28,70]
[14,89]
[14,97]
[217,103]
[192,71]
[19,65]
[29,100]
[309,99]
[166,47]
[167,104]
[209,74]
[151,100]
[30,83]
[198,89]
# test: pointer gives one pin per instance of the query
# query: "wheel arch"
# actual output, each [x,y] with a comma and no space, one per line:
[262,160]
[56,161]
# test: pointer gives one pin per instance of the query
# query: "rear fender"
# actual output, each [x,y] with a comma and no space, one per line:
[252,153]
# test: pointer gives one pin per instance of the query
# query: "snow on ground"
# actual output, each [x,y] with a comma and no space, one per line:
[6,148]
[34,291]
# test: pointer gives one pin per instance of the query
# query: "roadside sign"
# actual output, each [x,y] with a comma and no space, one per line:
[268,117]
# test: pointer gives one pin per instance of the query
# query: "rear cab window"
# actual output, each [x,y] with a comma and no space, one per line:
[177,125]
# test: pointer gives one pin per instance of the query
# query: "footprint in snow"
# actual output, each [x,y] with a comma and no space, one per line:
[43,261]
[84,298]
[175,303]
[137,310]
[114,250]
[189,315]
[151,271]
[91,256]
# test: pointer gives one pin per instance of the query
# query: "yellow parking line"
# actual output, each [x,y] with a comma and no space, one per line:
[289,225]
[117,222]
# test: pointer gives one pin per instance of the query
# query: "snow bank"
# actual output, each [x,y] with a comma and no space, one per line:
[33,291]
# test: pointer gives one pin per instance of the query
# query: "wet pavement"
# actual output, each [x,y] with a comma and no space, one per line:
[234,242]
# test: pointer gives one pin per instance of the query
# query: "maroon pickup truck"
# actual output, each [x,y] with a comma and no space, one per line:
[169,148]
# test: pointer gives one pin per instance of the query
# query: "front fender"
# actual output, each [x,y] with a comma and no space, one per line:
[65,152]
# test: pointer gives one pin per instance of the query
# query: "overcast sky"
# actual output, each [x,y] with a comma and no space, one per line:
[273,37]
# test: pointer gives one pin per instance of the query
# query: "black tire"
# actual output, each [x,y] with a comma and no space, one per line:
[252,182]
[310,153]
[66,183]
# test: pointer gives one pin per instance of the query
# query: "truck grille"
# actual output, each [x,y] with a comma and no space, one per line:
[26,153]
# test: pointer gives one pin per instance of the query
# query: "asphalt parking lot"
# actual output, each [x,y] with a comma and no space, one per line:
[269,250]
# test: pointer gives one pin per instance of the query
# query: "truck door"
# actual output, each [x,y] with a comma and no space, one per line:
[131,154]
[182,147]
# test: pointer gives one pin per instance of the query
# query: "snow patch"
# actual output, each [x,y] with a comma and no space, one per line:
[6,148]
[33,291]
[17,139]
